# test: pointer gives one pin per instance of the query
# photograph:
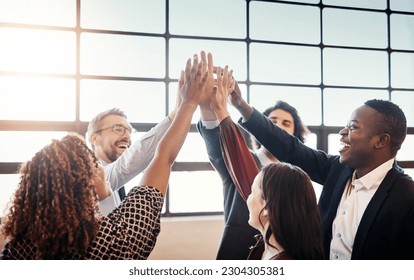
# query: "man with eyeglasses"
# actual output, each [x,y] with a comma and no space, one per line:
[109,134]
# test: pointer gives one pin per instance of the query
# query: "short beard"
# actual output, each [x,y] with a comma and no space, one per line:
[113,156]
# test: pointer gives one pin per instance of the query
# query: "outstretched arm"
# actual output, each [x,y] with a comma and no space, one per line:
[237,157]
[240,104]
[191,93]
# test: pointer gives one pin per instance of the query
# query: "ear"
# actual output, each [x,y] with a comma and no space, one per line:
[383,140]
[264,213]
[93,139]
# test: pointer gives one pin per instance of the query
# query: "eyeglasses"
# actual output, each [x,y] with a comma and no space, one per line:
[118,129]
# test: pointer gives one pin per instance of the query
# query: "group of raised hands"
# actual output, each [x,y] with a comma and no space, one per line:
[211,87]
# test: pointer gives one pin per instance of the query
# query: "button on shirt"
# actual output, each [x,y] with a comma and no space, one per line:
[351,209]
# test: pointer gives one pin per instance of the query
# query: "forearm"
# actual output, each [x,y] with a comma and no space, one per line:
[158,171]
[245,110]
[206,113]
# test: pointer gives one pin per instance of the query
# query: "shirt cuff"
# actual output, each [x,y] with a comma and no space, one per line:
[210,124]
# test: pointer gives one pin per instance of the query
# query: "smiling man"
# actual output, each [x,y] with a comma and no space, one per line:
[109,134]
[367,202]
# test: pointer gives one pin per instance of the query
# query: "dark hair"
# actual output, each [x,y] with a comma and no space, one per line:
[55,206]
[293,212]
[300,130]
[95,123]
[392,121]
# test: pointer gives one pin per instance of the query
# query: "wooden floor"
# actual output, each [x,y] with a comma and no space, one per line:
[195,238]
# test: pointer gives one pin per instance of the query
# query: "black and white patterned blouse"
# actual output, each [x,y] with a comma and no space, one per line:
[128,232]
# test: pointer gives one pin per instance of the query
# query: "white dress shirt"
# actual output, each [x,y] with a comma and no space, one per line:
[351,209]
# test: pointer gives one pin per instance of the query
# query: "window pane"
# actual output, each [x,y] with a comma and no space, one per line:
[405,99]
[402,5]
[285,64]
[402,32]
[199,191]
[354,28]
[311,140]
[307,101]
[44,99]
[409,171]
[193,149]
[21,146]
[141,101]
[370,4]
[355,67]
[41,12]
[303,1]
[290,23]
[214,18]
[334,143]
[407,152]
[340,103]
[402,70]
[119,55]
[38,51]
[8,183]
[135,182]
[224,53]
[124,15]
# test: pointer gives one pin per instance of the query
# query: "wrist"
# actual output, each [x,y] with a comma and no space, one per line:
[188,106]
[206,113]
[221,115]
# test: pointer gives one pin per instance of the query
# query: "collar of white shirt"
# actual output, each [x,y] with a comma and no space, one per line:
[373,178]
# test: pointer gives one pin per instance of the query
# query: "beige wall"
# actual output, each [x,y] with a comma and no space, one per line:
[192,238]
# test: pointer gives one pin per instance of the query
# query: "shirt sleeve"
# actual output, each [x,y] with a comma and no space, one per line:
[131,230]
[237,157]
[136,158]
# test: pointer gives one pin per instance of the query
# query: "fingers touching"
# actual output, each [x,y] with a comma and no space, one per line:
[205,84]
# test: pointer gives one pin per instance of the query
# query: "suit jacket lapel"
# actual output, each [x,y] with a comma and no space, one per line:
[371,212]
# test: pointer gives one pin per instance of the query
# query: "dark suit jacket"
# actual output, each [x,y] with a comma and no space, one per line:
[386,230]
[238,235]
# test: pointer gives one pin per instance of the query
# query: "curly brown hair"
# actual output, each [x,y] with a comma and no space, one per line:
[55,206]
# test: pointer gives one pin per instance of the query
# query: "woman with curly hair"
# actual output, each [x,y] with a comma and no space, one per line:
[54,213]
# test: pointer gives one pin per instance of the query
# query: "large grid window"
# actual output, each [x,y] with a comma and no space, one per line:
[62,62]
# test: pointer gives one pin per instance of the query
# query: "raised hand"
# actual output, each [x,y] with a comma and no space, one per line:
[224,87]
[195,77]
[239,103]
[172,114]
[207,65]
[236,97]
[206,113]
